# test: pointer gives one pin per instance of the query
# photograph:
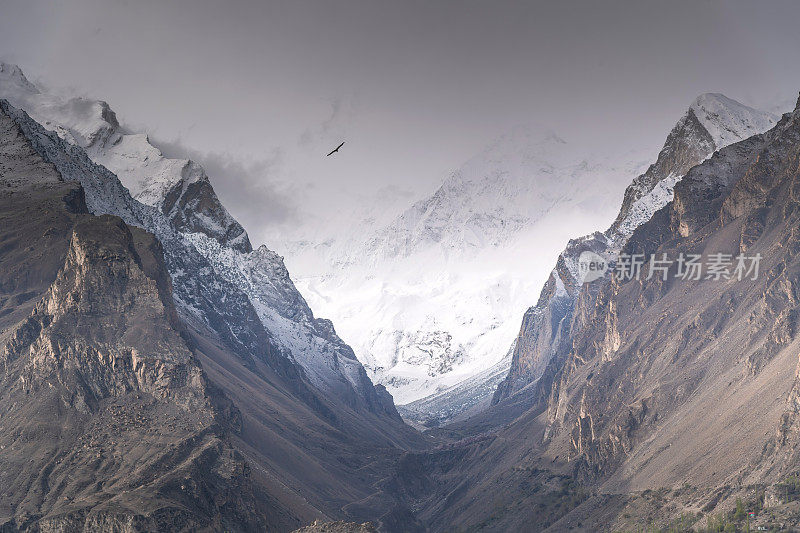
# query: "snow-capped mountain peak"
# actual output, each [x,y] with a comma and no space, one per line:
[12,75]
[712,122]
[177,187]
[428,299]
[503,190]
[728,121]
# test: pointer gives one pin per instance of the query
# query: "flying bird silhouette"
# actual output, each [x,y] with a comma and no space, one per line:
[335,149]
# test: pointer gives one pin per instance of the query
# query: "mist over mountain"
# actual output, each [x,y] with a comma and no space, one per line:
[162,370]
[187,209]
[426,296]
[429,298]
[667,400]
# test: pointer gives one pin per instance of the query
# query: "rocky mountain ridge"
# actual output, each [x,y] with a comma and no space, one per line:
[97,379]
[711,121]
[670,351]
[179,188]
[208,253]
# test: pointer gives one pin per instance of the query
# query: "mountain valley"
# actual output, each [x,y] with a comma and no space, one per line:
[160,373]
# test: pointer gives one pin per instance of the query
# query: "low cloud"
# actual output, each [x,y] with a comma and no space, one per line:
[248,189]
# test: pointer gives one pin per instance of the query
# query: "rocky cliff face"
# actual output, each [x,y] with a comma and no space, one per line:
[192,206]
[711,122]
[108,420]
[80,330]
[655,356]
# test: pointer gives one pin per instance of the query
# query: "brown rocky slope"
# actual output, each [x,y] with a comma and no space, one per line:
[107,419]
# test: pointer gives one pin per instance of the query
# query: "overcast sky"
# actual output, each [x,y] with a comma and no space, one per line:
[262,90]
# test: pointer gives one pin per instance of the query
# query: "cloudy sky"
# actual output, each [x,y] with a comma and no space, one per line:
[260,91]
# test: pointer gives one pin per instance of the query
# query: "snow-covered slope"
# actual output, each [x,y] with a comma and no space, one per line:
[429,298]
[517,181]
[245,296]
[459,402]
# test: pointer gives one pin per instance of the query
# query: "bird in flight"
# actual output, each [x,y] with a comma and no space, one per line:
[335,149]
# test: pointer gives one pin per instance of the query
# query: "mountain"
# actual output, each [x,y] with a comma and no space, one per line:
[428,297]
[675,401]
[265,311]
[155,378]
[99,385]
[177,187]
[711,122]
[142,385]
